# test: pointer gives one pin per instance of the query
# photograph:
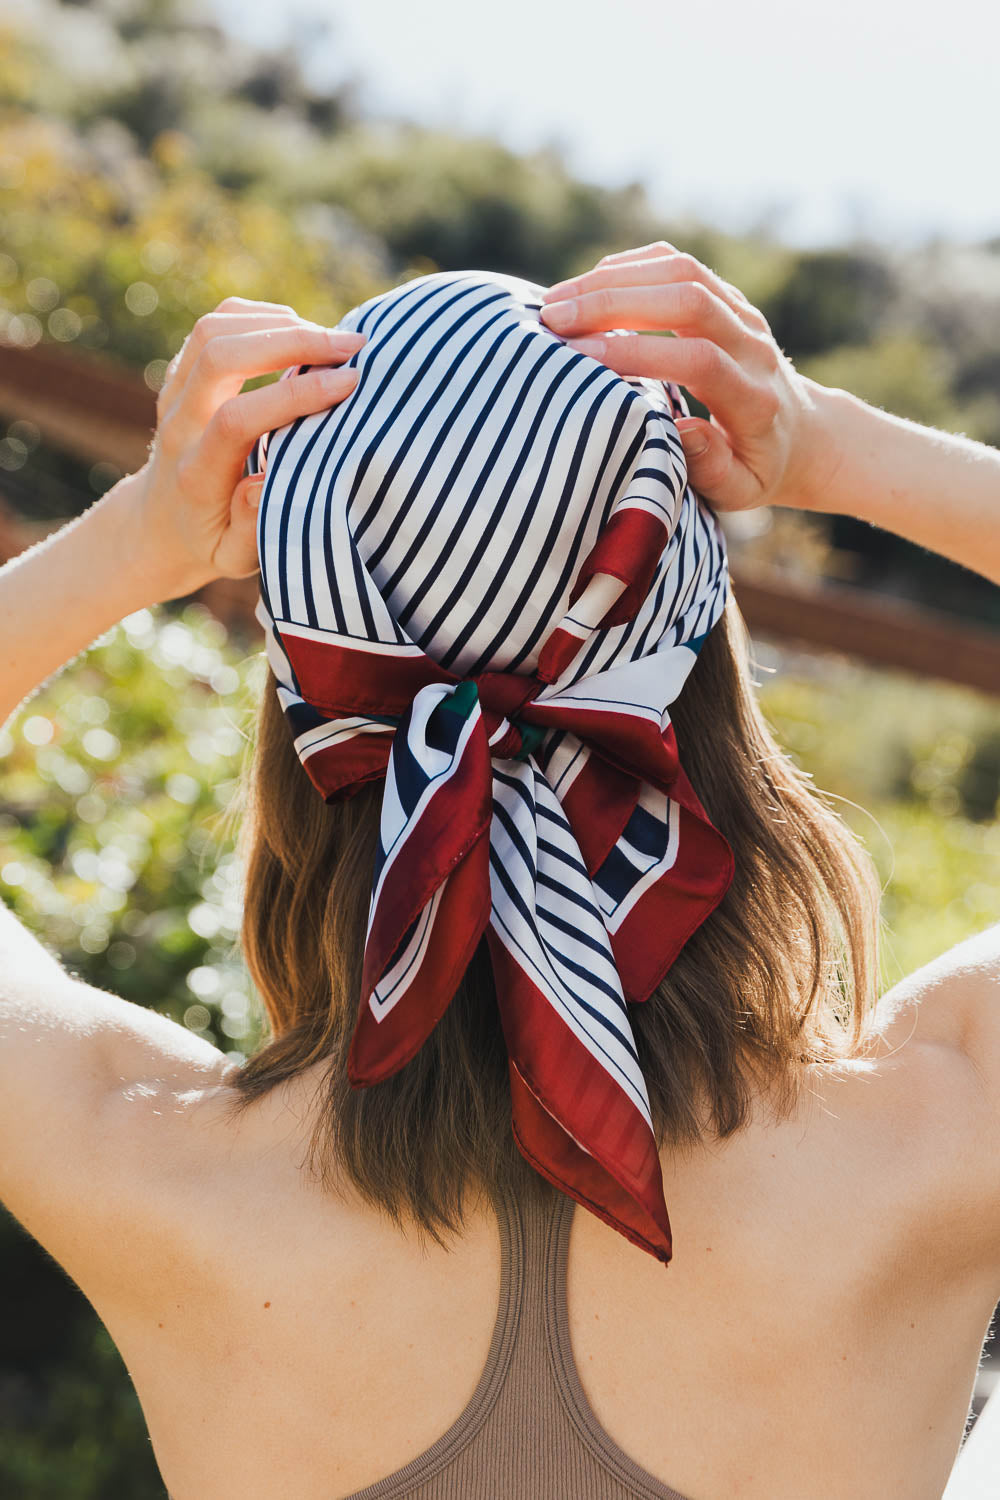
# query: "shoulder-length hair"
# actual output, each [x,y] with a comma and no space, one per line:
[781,975]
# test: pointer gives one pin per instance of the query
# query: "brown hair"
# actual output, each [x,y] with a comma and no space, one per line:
[782,974]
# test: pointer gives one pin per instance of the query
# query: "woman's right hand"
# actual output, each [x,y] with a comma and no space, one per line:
[768,441]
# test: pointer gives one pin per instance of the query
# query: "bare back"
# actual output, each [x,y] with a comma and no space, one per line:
[818,1331]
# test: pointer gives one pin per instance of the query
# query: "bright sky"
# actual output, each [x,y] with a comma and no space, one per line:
[876,117]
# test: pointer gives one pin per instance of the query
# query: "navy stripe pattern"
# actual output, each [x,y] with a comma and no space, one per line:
[440,519]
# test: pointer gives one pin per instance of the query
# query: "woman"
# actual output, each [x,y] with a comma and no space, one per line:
[323,1290]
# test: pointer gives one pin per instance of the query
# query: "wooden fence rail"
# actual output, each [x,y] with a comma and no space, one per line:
[872,628]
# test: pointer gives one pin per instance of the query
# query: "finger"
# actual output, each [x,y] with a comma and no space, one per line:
[713,469]
[624,257]
[690,429]
[686,307]
[240,421]
[641,252]
[229,359]
[254,304]
[677,268]
[246,495]
[212,325]
[213,322]
[236,554]
[707,371]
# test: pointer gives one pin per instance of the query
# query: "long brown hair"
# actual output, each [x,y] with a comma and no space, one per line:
[782,974]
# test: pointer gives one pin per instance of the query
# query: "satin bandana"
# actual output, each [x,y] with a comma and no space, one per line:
[484,578]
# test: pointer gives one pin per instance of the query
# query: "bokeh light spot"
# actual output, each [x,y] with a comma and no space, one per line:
[158,256]
[141,299]
[101,744]
[102,476]
[182,788]
[205,982]
[155,373]
[64,324]
[13,454]
[42,293]
[38,730]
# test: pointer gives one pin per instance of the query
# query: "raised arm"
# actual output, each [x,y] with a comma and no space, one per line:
[938,489]
[67,1050]
[775,437]
[186,517]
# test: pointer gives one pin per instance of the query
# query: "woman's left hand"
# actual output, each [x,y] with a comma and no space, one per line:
[194,512]
[771,437]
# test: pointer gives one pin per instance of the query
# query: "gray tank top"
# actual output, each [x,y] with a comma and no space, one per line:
[529,1431]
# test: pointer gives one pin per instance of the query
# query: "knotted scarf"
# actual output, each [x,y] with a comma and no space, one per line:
[484,578]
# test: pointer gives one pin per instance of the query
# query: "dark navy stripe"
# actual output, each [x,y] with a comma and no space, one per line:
[553,955]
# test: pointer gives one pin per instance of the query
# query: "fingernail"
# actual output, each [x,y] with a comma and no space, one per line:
[560,289]
[695,444]
[253,496]
[595,347]
[560,314]
[341,375]
[342,338]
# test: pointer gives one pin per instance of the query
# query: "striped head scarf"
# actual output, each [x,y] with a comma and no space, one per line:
[484,578]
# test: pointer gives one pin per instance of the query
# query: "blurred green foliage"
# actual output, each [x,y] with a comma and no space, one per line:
[119,784]
[914,769]
[830,297]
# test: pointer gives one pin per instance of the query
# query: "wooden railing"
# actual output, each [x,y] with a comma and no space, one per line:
[865,625]
[96,408]
[88,404]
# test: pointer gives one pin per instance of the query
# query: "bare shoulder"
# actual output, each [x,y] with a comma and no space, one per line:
[940,1026]
[954,1000]
[86,1079]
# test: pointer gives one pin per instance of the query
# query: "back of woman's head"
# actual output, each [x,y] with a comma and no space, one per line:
[775,968]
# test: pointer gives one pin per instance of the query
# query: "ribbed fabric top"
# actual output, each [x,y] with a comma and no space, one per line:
[528,1430]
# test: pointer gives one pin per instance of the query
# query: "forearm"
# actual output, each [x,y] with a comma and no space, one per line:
[59,596]
[934,488]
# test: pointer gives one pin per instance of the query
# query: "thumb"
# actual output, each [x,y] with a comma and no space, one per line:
[246,495]
[710,464]
[696,435]
[236,556]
